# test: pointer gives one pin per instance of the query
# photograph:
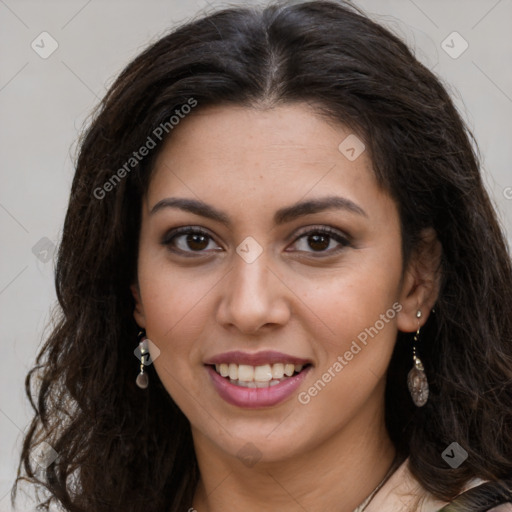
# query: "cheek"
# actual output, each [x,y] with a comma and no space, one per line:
[354,297]
[358,306]
[172,296]
[353,349]
[176,312]
[175,317]
[358,326]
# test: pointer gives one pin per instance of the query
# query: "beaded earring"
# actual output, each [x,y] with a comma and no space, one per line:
[416,379]
[142,379]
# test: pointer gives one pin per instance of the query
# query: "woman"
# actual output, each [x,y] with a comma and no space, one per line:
[280,213]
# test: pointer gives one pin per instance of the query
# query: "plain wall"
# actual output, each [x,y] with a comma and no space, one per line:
[45,101]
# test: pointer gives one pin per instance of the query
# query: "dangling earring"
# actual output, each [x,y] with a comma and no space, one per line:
[416,379]
[142,379]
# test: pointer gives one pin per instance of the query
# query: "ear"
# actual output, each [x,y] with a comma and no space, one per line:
[421,283]
[138,312]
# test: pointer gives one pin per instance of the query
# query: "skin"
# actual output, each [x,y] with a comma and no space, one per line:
[329,454]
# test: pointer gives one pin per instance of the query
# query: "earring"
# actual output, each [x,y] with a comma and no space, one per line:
[142,379]
[416,379]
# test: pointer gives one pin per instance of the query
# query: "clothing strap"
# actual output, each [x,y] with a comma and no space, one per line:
[487,497]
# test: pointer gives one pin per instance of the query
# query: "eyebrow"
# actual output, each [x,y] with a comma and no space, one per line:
[281,216]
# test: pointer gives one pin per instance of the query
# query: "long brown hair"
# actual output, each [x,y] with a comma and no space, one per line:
[121,448]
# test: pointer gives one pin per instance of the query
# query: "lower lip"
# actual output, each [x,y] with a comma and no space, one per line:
[255,398]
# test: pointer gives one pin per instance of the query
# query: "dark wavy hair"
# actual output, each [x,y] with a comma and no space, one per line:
[122,448]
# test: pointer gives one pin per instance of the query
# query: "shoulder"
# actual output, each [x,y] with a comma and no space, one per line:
[403,493]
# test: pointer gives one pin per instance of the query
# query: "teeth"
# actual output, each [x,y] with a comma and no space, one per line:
[223,370]
[289,369]
[257,376]
[255,384]
[243,384]
[263,373]
[245,373]
[278,371]
[233,371]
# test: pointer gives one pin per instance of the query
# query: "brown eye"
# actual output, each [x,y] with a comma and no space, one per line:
[187,240]
[319,240]
[196,242]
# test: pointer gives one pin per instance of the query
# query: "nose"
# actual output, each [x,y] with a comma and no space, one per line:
[253,297]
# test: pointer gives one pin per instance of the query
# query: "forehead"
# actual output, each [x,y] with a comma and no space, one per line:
[258,158]
[289,131]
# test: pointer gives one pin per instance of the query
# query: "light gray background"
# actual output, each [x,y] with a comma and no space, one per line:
[44,103]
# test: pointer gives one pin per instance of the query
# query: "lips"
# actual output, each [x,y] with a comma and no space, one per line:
[257,359]
[256,380]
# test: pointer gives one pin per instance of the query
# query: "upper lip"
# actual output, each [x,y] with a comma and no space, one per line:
[256,359]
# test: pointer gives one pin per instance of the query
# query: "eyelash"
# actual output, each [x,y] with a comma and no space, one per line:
[323,230]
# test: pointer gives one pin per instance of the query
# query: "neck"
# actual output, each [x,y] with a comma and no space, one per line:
[336,475]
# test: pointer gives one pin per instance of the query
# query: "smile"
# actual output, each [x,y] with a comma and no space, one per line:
[262,376]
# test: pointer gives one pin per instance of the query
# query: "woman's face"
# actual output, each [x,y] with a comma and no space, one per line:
[258,288]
